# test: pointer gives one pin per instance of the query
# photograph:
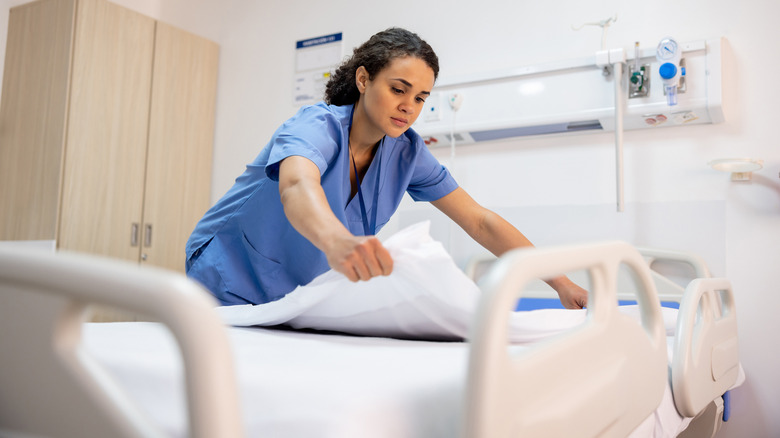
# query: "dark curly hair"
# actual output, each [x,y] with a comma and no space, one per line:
[374,55]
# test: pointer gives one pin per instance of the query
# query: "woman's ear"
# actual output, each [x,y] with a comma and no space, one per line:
[361,79]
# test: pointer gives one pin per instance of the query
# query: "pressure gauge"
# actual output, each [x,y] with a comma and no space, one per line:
[667,49]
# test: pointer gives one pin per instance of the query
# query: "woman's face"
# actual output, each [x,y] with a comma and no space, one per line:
[394,98]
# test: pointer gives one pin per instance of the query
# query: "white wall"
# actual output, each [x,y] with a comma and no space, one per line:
[556,190]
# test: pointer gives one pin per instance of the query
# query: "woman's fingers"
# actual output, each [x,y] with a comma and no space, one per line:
[362,263]
[368,259]
[384,259]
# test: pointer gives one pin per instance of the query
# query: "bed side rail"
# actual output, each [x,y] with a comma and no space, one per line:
[51,388]
[601,379]
[706,353]
[667,289]
[698,264]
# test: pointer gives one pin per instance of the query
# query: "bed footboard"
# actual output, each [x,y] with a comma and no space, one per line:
[51,388]
[601,379]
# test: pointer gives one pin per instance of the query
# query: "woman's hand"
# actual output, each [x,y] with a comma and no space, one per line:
[359,257]
[573,296]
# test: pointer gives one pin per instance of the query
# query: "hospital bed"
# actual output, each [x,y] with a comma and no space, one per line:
[188,374]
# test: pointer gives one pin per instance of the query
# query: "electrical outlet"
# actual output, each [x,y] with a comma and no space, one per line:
[432,108]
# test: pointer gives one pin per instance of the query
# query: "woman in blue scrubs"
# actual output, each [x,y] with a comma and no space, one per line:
[331,177]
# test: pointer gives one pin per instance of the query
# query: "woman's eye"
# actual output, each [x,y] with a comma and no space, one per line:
[420,100]
[397,90]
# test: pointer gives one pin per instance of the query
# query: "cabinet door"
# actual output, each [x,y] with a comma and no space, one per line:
[105,151]
[181,137]
[32,118]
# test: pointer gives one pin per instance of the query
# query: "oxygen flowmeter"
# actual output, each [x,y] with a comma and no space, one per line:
[668,54]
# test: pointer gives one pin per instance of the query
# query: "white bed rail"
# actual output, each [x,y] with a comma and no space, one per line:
[618,368]
[706,353]
[668,290]
[697,263]
[32,315]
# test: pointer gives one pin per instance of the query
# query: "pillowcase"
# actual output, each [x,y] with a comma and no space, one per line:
[426,297]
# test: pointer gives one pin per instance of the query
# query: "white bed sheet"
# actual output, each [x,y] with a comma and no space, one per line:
[305,384]
[426,297]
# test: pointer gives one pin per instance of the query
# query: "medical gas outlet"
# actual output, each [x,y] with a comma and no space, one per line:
[638,76]
[672,69]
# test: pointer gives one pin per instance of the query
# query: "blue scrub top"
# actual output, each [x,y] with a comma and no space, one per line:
[244,250]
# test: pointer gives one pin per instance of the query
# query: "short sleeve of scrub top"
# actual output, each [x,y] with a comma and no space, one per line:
[312,133]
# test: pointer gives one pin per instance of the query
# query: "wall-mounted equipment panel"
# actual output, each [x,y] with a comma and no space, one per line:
[577,96]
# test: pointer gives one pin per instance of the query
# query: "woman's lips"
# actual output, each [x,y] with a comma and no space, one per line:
[399,122]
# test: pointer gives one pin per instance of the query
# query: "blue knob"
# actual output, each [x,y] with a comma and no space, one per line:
[667,70]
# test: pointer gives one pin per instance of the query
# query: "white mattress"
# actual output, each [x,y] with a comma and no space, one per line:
[305,384]
[295,384]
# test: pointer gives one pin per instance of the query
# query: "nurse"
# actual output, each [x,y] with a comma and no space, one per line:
[329,179]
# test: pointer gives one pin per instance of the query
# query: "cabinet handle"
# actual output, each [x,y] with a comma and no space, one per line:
[134,234]
[148,235]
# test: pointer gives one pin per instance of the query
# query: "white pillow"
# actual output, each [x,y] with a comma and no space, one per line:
[426,297]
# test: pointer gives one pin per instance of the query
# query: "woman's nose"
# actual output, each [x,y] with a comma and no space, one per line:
[406,107]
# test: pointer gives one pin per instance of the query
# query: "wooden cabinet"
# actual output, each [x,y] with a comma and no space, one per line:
[106,131]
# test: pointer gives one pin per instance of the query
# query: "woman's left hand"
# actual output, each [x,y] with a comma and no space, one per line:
[572,296]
